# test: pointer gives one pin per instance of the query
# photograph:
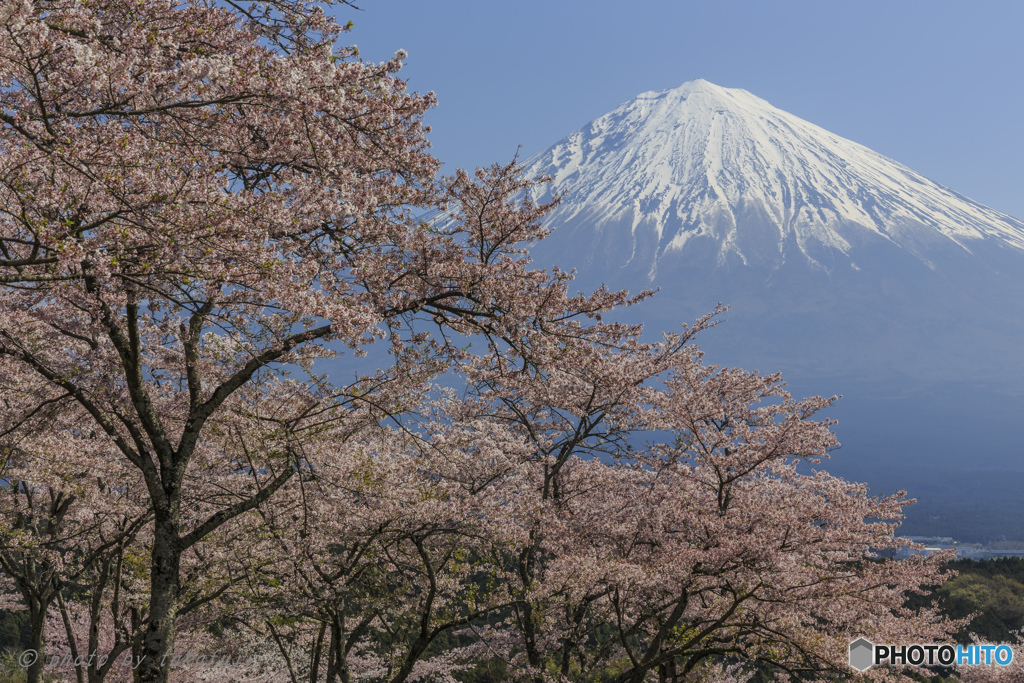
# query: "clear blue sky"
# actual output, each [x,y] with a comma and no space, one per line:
[934,84]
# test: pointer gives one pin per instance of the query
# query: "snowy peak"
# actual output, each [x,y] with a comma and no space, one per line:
[722,171]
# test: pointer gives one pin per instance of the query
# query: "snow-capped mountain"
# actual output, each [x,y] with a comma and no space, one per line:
[846,270]
[836,259]
[722,175]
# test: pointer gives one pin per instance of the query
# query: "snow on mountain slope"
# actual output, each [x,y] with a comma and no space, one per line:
[751,184]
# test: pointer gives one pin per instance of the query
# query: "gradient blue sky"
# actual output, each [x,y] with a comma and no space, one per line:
[936,85]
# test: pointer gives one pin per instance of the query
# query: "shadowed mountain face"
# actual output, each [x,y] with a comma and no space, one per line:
[846,270]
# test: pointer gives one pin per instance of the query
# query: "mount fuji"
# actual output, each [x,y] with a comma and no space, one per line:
[846,270]
[752,185]
[712,194]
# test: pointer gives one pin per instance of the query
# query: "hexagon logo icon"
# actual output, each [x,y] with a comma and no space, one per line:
[861,654]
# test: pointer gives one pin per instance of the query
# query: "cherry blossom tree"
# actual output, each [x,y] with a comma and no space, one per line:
[199,199]
[383,561]
[991,673]
[66,507]
[663,556]
[630,513]
[97,635]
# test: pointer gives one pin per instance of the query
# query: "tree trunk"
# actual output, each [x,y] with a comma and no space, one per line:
[37,642]
[332,656]
[314,668]
[136,648]
[165,587]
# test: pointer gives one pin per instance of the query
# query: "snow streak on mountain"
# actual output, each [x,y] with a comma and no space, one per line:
[722,175]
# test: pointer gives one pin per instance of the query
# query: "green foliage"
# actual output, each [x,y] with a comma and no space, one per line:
[994,589]
[10,670]
[14,635]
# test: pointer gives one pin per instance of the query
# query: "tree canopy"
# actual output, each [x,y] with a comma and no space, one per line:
[199,201]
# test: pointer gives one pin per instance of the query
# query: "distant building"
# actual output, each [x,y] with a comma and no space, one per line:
[932,540]
[983,554]
[933,544]
[969,551]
